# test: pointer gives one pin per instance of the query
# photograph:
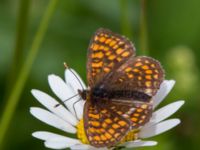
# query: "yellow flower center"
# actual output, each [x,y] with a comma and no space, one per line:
[81,132]
[132,135]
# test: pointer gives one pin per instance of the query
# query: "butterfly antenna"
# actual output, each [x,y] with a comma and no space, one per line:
[65,65]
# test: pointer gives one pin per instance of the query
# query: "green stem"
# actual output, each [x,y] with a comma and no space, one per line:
[19,45]
[143,29]
[125,25]
[25,70]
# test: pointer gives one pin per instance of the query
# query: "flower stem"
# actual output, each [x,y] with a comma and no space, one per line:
[13,99]
[125,25]
[143,29]
[22,25]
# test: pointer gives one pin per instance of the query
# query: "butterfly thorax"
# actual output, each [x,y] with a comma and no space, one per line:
[93,95]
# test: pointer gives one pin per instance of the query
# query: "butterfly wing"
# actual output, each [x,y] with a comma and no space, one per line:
[103,126]
[139,75]
[107,51]
[133,84]
[138,113]
[106,125]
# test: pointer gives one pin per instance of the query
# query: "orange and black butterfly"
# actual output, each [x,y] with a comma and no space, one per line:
[120,88]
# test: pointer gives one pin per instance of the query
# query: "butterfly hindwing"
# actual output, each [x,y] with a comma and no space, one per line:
[107,51]
[139,74]
[138,113]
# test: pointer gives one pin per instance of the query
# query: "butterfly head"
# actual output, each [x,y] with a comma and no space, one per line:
[83,94]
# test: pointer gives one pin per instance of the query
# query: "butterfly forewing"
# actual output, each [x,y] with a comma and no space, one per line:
[107,51]
[104,127]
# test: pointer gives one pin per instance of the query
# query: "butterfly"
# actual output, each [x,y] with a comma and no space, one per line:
[120,88]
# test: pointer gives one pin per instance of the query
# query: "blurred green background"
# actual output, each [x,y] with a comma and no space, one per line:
[172,36]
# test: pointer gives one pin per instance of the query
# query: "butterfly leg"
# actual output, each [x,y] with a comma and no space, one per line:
[74,106]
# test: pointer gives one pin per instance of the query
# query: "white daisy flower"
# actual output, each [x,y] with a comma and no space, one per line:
[68,118]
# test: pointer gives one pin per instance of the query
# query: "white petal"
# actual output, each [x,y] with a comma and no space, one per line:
[61,143]
[139,143]
[72,78]
[64,92]
[50,104]
[82,147]
[85,147]
[164,112]
[51,119]
[164,90]
[79,108]
[159,128]
[45,136]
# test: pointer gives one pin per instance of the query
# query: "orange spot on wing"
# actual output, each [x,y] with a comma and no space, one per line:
[106,69]
[119,59]
[130,75]
[144,106]
[128,69]
[145,67]
[96,38]
[107,135]
[96,116]
[95,123]
[98,55]
[108,41]
[148,83]
[104,125]
[119,51]
[99,64]
[138,64]
[153,65]
[136,114]
[148,77]
[111,131]
[102,39]
[91,130]
[115,126]
[149,71]
[134,119]
[97,138]
[155,76]
[108,53]
[103,137]
[136,70]
[122,123]
[111,57]
[112,43]
[95,47]
[116,135]
[125,54]
[101,47]
[106,48]
[115,46]
[108,121]
[139,110]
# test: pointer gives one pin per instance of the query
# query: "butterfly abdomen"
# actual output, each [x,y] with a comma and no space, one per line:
[130,95]
[100,93]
